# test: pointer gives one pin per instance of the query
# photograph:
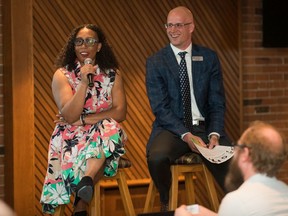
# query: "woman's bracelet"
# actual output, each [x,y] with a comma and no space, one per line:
[82,119]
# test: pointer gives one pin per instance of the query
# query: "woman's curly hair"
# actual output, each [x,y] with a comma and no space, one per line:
[105,57]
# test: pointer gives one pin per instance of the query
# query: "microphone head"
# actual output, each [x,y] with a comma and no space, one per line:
[88,61]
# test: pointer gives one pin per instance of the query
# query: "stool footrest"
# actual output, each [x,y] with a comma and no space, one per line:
[188,171]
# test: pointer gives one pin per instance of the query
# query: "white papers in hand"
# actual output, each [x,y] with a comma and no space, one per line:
[218,154]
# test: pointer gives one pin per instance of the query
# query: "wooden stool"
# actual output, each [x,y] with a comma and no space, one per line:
[95,205]
[187,165]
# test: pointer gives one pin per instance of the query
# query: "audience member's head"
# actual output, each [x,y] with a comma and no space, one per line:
[260,149]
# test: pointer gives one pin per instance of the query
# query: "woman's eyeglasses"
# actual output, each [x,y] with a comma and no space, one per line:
[88,41]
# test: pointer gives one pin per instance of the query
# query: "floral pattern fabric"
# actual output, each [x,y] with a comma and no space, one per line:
[70,146]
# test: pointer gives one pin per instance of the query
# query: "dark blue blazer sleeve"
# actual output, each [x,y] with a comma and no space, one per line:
[162,83]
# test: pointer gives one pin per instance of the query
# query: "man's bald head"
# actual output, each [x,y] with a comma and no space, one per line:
[182,11]
[268,149]
[180,26]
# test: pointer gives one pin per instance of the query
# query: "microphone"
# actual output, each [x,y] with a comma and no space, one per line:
[90,76]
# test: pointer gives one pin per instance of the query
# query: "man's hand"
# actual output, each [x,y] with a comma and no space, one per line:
[182,211]
[192,140]
[213,141]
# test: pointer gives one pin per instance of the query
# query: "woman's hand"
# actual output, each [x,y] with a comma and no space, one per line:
[61,121]
[85,71]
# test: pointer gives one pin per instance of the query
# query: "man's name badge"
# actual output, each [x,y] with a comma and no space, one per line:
[197,58]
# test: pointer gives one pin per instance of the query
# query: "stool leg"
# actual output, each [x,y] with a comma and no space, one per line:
[211,189]
[95,205]
[173,199]
[59,211]
[189,188]
[150,198]
[125,195]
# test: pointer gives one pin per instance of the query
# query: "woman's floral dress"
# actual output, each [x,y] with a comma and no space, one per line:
[71,146]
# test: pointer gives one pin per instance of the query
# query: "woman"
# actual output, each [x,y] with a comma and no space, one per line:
[87,140]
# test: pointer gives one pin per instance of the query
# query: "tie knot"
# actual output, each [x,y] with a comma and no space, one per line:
[182,54]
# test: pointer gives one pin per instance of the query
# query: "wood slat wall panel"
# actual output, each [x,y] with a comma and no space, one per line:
[135,30]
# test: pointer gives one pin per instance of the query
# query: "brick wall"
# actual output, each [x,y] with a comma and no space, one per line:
[265,75]
[265,72]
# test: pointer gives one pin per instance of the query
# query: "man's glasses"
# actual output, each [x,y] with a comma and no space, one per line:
[176,25]
[88,41]
[241,146]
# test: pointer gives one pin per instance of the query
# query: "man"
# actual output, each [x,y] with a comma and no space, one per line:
[173,132]
[259,154]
